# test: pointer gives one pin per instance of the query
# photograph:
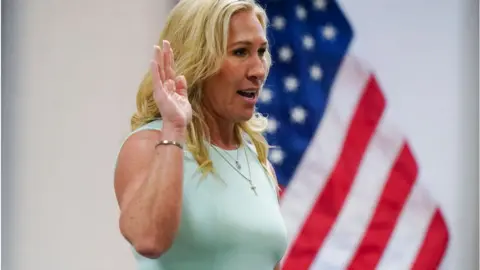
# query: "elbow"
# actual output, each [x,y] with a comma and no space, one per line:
[149,249]
[150,246]
[146,244]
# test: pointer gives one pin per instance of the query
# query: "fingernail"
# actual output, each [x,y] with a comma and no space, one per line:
[165,45]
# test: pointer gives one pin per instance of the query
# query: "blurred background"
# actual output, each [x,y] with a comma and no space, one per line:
[70,75]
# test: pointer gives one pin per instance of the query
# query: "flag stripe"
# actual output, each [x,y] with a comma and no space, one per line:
[409,231]
[434,245]
[330,202]
[396,192]
[377,162]
[324,149]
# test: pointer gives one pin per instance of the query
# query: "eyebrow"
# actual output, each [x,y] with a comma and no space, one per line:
[248,43]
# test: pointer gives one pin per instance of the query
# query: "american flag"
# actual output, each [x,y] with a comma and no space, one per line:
[350,194]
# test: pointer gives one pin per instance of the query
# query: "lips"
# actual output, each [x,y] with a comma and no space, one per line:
[248,93]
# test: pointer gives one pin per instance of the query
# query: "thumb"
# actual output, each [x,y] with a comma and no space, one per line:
[181,85]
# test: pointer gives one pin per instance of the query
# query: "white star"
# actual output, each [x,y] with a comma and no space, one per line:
[316,72]
[301,13]
[329,32]
[285,54]
[320,4]
[278,22]
[308,42]
[298,115]
[291,84]
[265,95]
[272,125]
[276,156]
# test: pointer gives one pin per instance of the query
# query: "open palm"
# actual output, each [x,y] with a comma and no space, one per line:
[170,91]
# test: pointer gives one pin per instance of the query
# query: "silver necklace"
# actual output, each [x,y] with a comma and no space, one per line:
[249,179]
[239,166]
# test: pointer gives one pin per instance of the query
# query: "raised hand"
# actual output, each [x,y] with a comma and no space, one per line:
[170,91]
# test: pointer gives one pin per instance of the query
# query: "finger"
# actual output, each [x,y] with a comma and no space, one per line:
[181,85]
[172,58]
[168,60]
[172,63]
[158,91]
[159,60]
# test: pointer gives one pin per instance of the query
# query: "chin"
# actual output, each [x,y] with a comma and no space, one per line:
[248,115]
[244,117]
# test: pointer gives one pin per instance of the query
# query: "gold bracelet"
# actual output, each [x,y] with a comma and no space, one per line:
[167,142]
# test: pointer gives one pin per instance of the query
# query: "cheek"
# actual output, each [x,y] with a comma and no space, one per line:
[226,82]
[229,83]
[231,71]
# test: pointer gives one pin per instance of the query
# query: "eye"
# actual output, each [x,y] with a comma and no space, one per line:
[261,52]
[240,52]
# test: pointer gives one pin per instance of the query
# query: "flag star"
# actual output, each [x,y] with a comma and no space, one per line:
[266,95]
[272,125]
[298,115]
[276,156]
[320,4]
[285,54]
[316,72]
[301,13]
[308,42]
[291,84]
[278,22]
[329,32]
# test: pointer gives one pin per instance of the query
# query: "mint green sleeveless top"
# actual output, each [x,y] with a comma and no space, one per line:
[224,224]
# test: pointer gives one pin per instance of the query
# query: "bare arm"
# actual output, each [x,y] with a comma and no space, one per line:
[149,178]
[148,185]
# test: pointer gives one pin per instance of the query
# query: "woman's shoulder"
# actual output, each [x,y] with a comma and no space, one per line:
[154,127]
[150,131]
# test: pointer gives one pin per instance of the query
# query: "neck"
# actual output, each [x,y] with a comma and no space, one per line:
[222,132]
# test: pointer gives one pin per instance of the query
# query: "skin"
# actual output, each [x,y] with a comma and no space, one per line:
[149,178]
[244,67]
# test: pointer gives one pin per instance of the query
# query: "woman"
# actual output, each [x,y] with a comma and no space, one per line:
[192,180]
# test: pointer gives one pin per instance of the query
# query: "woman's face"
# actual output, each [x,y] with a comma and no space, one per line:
[232,93]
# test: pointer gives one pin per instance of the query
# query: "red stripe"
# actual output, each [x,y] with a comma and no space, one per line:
[330,202]
[434,245]
[389,207]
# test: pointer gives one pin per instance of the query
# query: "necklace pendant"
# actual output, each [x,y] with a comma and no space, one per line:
[238,165]
[254,189]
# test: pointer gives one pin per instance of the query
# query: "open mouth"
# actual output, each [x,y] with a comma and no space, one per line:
[247,94]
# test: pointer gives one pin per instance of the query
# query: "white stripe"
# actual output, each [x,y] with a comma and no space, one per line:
[351,224]
[410,231]
[322,154]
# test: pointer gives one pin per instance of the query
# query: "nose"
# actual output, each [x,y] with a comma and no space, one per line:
[256,72]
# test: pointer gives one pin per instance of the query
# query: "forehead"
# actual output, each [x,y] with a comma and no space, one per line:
[245,26]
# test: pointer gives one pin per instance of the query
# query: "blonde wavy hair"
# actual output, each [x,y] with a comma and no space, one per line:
[198,32]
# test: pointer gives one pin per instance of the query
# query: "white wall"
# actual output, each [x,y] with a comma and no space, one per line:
[425,54]
[71,69]
[70,74]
